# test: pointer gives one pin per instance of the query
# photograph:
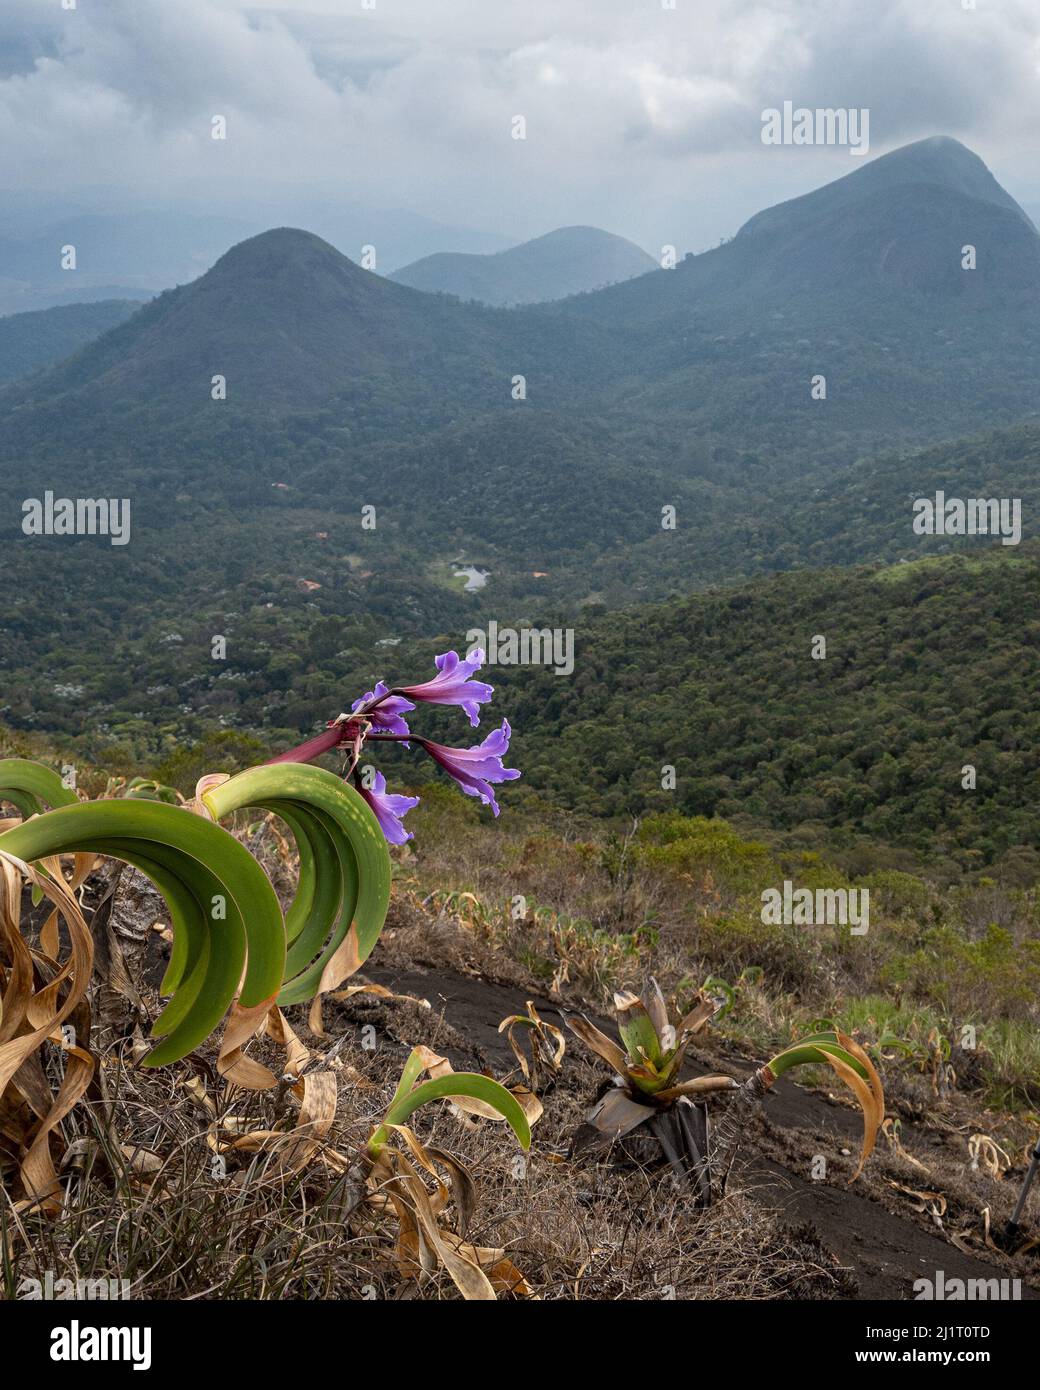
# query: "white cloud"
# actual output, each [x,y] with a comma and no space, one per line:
[632,110]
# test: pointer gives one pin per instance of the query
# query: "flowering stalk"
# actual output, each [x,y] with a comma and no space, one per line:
[314,747]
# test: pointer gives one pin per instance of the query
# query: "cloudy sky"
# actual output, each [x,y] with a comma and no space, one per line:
[640,119]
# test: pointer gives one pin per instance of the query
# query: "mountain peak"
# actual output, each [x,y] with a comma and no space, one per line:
[563,262]
[943,146]
[284,242]
[938,162]
[942,160]
[283,317]
[281,253]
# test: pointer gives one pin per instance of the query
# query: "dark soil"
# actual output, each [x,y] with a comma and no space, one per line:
[872,1230]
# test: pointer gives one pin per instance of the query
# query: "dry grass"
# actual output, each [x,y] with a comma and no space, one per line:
[575,1230]
[146,1204]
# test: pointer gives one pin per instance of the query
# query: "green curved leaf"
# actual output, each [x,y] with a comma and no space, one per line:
[224,910]
[333,826]
[459,1083]
[30,786]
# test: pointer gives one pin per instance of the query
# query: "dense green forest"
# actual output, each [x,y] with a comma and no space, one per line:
[31,341]
[930,667]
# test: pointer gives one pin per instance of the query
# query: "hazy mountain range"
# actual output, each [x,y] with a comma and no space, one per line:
[129,249]
[788,393]
[561,263]
[858,287]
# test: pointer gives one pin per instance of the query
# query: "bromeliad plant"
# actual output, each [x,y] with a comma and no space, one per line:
[648,1092]
[647,1089]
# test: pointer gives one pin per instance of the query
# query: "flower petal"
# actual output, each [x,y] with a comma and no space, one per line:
[389,809]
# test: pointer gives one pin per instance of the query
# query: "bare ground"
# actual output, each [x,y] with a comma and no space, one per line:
[576,1229]
[872,1230]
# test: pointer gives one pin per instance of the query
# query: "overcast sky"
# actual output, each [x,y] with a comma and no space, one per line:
[640,119]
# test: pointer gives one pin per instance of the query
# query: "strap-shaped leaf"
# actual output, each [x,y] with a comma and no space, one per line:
[344,876]
[459,1083]
[852,1065]
[224,910]
[30,786]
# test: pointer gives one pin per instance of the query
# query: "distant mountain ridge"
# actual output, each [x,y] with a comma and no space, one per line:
[571,260]
[860,281]
[41,338]
[549,437]
[128,248]
[902,221]
[861,286]
[897,223]
[286,320]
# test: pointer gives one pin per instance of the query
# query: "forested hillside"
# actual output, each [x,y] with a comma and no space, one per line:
[42,338]
[253,419]
[931,666]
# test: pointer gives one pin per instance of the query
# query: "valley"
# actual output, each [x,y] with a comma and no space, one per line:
[751,547]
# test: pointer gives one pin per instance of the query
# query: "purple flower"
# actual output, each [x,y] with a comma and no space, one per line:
[386,717]
[452,685]
[474,768]
[389,809]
